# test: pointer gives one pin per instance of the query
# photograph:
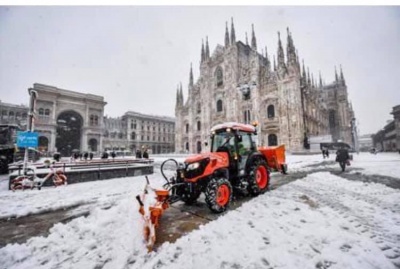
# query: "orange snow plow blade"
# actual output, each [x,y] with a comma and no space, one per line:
[152,203]
[275,156]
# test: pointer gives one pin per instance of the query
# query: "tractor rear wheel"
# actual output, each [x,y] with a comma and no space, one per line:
[258,178]
[218,194]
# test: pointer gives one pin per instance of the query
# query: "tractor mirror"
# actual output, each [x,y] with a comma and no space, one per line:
[240,139]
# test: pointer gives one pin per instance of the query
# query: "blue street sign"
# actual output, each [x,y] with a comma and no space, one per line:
[27,139]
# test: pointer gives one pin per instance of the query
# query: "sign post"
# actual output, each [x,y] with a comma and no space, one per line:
[29,138]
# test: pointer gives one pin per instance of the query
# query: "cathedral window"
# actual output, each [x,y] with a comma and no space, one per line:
[187,146]
[41,111]
[198,108]
[219,106]
[198,125]
[219,76]
[47,112]
[18,115]
[187,128]
[272,140]
[271,112]
[332,123]
[247,117]
[133,136]
[11,114]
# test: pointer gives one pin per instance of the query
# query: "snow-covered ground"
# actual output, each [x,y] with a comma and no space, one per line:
[320,221]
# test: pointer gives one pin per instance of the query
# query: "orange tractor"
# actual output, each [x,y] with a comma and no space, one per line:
[234,165]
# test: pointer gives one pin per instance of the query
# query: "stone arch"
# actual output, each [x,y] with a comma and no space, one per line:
[69,132]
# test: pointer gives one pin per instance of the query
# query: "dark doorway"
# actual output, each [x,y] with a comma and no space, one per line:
[93,145]
[69,130]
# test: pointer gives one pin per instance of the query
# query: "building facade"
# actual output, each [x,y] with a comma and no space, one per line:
[237,83]
[134,130]
[69,121]
[388,138]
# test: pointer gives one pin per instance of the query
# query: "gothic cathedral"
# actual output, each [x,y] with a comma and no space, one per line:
[237,83]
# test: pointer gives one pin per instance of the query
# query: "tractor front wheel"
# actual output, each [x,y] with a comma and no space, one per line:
[218,194]
[258,178]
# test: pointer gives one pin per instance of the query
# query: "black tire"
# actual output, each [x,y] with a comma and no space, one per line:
[218,194]
[257,187]
[190,198]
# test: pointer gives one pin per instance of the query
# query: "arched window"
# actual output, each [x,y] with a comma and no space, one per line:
[219,105]
[198,108]
[187,146]
[96,120]
[198,125]
[24,115]
[11,114]
[91,120]
[247,117]
[41,111]
[198,146]
[272,140]
[219,77]
[47,112]
[271,112]
[18,115]
[187,128]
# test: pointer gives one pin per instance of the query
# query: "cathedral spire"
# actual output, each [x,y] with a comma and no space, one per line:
[207,49]
[304,73]
[290,49]
[181,94]
[247,41]
[341,76]
[202,51]
[177,97]
[281,55]
[308,77]
[191,77]
[267,57]
[312,81]
[233,36]
[336,76]
[320,80]
[226,35]
[274,64]
[253,38]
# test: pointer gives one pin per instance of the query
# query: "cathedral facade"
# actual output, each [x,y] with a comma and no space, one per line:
[238,83]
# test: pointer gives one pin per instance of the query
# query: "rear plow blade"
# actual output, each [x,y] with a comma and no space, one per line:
[152,204]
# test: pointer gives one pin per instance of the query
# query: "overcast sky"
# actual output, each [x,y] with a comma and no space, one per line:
[136,56]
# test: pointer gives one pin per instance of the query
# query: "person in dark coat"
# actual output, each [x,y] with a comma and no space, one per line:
[113,154]
[145,154]
[105,155]
[138,154]
[342,157]
[91,155]
[85,156]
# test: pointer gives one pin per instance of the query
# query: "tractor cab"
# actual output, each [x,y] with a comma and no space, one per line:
[237,140]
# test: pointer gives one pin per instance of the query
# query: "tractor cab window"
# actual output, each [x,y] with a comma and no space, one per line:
[223,141]
[245,143]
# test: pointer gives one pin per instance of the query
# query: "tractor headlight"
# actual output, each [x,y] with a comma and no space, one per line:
[193,166]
